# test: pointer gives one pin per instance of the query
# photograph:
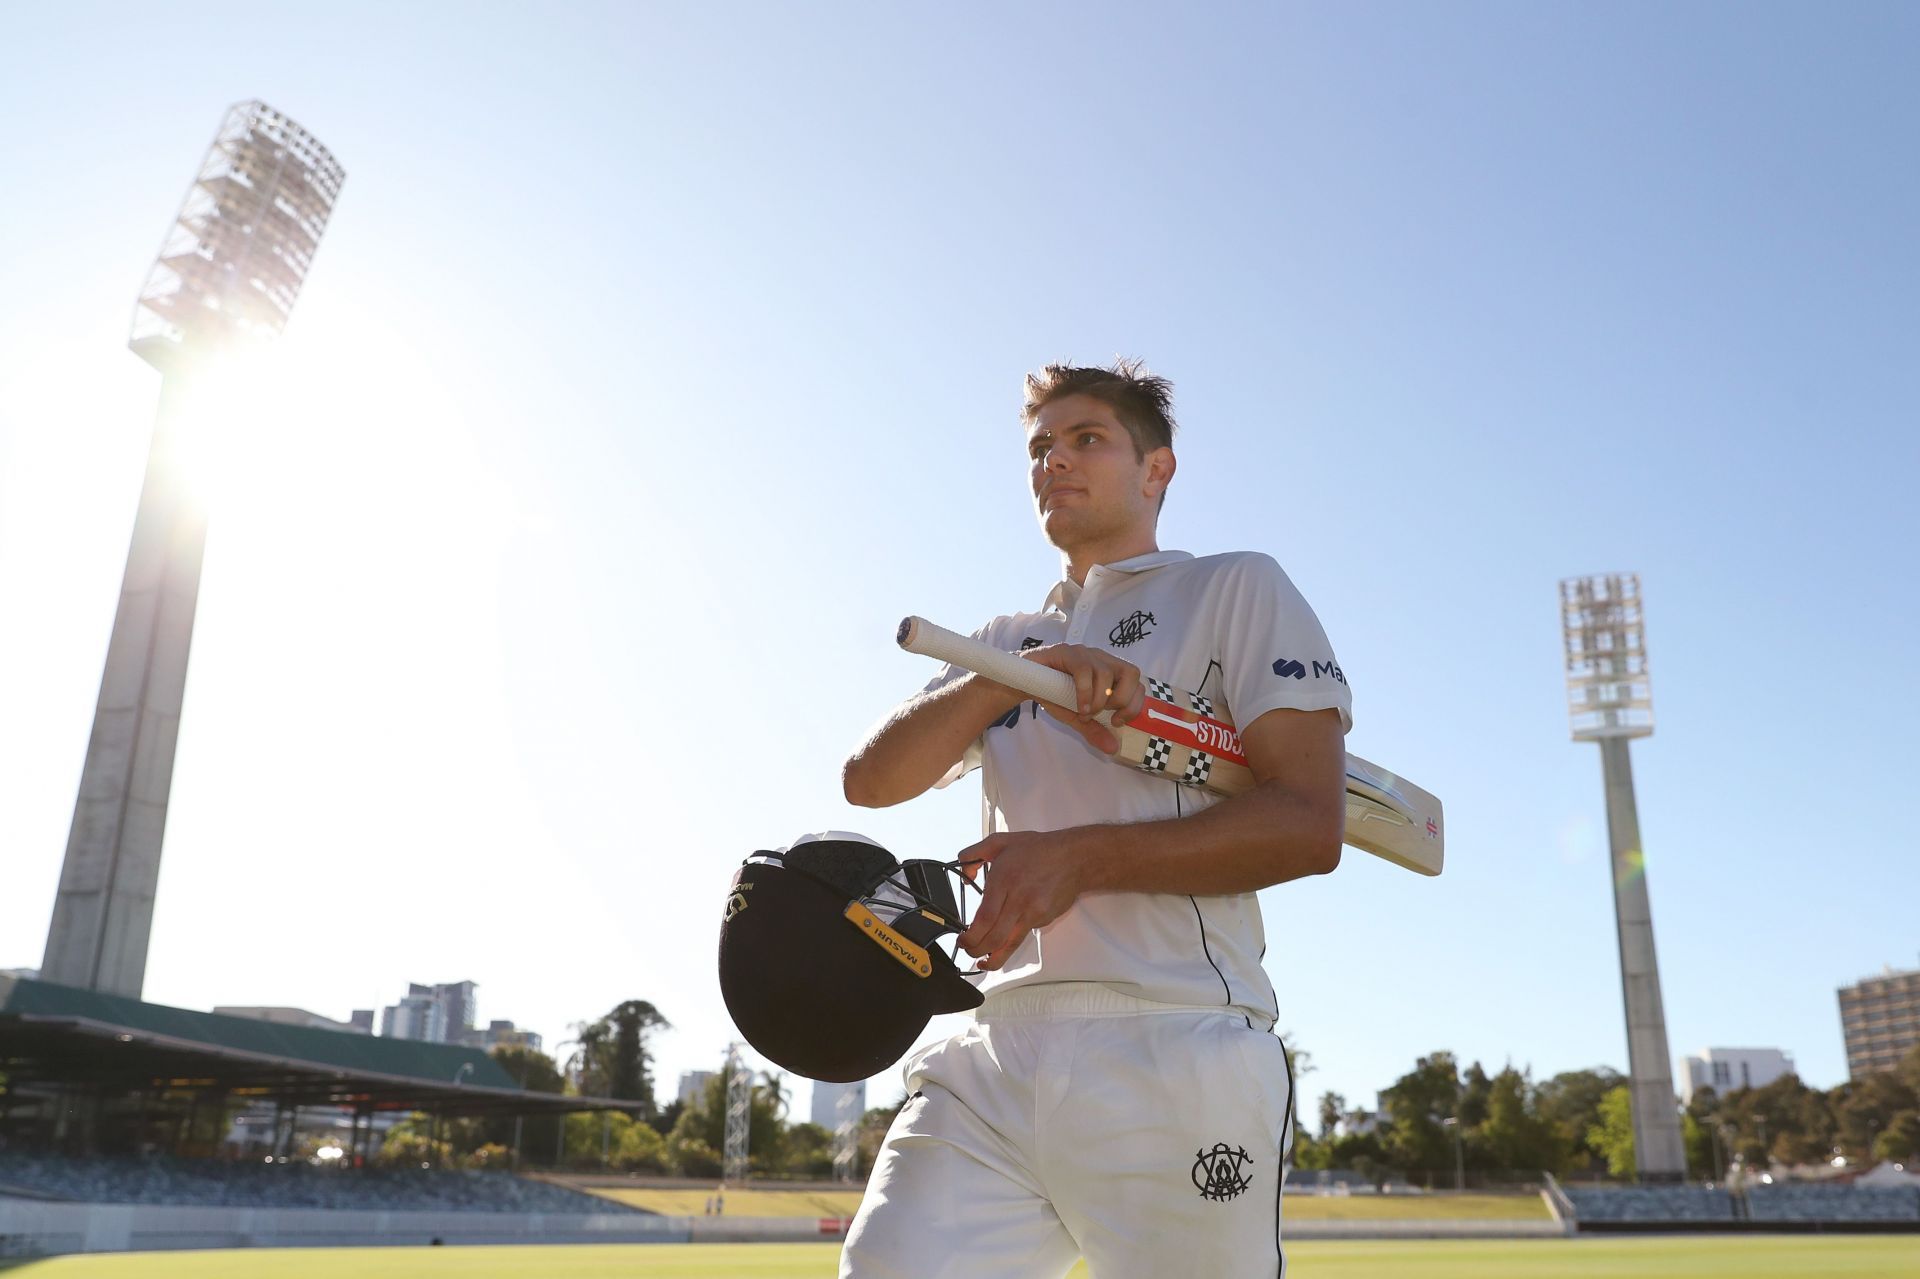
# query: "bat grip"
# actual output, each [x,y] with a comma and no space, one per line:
[918,635]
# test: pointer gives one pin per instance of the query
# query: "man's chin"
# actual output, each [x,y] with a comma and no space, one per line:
[1059,527]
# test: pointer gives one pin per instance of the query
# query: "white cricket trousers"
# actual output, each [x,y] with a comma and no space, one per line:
[1071,1120]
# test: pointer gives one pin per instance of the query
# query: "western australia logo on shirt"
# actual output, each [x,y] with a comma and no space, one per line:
[1293,668]
[1131,630]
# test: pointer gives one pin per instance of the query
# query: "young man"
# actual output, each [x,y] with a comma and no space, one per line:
[1120,1094]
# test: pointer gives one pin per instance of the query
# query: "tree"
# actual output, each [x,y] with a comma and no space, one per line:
[1416,1104]
[1309,1154]
[1513,1135]
[1908,1069]
[614,1057]
[1363,1153]
[698,1142]
[1784,1120]
[1569,1104]
[809,1152]
[1332,1107]
[615,1140]
[407,1146]
[1475,1092]
[1865,1107]
[534,1071]
[1612,1135]
[1901,1140]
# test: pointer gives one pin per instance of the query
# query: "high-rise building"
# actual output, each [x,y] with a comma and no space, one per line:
[1725,1069]
[1880,1018]
[441,1014]
[501,1034]
[693,1086]
[830,1107]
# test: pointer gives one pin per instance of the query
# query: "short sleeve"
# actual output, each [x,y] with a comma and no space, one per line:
[1274,654]
[946,675]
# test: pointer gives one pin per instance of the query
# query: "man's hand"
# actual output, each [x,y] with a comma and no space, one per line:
[1101,682]
[1036,876]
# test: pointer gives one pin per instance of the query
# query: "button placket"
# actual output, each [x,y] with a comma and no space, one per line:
[1082,607]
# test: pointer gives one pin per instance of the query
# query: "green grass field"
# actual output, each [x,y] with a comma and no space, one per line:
[1774,1257]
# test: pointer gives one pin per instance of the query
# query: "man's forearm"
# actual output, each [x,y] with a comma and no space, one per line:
[916,744]
[1264,836]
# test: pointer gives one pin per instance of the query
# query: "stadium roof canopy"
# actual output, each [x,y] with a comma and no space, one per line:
[70,1039]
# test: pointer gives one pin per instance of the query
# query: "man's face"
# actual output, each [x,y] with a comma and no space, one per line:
[1088,484]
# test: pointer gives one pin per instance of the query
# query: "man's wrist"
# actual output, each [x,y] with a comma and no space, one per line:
[994,699]
[1087,851]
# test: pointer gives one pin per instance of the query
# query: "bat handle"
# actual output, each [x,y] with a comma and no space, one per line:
[918,635]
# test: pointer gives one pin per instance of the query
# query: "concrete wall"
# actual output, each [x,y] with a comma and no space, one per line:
[36,1228]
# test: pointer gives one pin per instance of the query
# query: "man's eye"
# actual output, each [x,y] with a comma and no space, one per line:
[1085,436]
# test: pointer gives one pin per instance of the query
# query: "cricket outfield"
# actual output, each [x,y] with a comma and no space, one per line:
[1693,1257]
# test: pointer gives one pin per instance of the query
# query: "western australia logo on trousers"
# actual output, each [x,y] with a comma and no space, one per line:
[1217,1172]
[1293,668]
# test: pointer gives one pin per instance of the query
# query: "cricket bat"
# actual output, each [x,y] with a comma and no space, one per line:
[1177,735]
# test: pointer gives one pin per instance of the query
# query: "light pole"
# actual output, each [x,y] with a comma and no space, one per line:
[1459,1155]
[227,276]
[1610,702]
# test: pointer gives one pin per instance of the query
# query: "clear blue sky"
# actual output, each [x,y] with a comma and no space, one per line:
[660,357]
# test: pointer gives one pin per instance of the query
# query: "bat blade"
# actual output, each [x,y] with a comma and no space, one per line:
[1174,736]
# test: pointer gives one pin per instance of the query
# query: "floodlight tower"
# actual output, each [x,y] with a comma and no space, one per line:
[227,277]
[739,1117]
[846,1130]
[1610,701]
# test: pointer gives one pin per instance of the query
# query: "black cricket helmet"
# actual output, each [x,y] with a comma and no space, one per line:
[829,960]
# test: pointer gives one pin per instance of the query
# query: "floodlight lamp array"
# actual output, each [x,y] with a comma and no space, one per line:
[1609,688]
[240,247]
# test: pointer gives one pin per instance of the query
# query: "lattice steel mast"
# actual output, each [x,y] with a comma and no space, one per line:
[846,1131]
[227,275]
[739,1117]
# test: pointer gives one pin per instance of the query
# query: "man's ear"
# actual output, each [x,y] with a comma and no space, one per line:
[1161,465]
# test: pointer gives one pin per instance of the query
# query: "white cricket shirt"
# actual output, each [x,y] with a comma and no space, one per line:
[1232,628]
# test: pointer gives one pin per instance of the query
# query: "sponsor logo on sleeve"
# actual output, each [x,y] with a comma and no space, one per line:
[1012,717]
[1293,668]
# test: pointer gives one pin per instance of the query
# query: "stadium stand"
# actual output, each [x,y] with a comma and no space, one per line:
[1651,1204]
[169,1180]
[1789,1202]
[1776,1206]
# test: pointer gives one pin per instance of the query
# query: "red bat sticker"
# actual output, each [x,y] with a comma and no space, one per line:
[1196,732]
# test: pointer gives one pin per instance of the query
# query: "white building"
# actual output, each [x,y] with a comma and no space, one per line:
[693,1085]
[827,1099]
[501,1033]
[1725,1069]
[441,1014]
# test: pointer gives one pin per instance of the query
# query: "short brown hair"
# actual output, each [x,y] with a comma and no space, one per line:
[1142,402]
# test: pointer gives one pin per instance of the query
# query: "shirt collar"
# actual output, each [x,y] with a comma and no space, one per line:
[1066,592]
